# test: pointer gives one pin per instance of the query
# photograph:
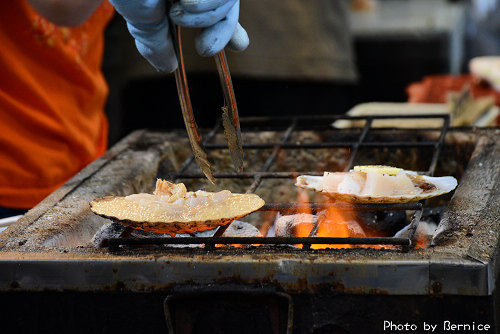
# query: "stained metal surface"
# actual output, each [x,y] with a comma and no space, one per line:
[210,242]
[290,273]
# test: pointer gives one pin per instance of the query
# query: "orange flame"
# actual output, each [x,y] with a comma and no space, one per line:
[421,240]
[304,228]
[335,223]
[332,223]
[268,218]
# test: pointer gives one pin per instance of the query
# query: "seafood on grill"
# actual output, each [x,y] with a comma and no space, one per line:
[377,184]
[174,210]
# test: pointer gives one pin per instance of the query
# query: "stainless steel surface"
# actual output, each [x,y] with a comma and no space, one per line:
[294,273]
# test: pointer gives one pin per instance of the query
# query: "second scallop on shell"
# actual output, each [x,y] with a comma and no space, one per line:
[377,184]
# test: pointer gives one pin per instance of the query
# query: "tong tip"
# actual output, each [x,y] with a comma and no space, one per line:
[233,137]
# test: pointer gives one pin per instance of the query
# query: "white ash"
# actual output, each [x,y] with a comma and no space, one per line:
[108,230]
[288,226]
[236,229]
[241,229]
[425,230]
[114,230]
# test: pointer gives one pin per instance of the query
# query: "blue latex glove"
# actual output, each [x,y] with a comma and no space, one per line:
[148,24]
[219,20]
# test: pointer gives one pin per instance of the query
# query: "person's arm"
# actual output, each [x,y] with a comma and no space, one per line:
[65,12]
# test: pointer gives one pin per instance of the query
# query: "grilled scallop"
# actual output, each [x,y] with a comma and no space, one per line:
[172,209]
[377,184]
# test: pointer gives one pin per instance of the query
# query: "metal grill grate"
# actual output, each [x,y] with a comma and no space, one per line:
[290,125]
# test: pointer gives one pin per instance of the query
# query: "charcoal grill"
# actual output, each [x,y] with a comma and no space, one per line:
[284,144]
[49,262]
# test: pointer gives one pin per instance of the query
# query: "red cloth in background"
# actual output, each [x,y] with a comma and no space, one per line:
[434,88]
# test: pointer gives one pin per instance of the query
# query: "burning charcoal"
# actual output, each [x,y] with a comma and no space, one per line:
[423,234]
[382,222]
[354,228]
[236,229]
[300,225]
[144,234]
[433,214]
[241,229]
[367,218]
[335,225]
[206,233]
[108,230]
[290,225]
[116,230]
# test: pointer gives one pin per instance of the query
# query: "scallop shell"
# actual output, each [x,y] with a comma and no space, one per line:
[154,213]
[425,187]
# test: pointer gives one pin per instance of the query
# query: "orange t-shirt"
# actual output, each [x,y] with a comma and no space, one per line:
[52,97]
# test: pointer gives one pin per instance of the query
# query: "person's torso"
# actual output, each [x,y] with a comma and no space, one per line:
[52,96]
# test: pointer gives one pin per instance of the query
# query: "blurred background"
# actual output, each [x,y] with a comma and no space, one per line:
[310,57]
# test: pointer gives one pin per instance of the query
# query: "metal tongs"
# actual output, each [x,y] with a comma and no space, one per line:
[230,119]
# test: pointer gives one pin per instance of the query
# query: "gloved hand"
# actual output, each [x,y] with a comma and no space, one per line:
[219,18]
[148,24]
